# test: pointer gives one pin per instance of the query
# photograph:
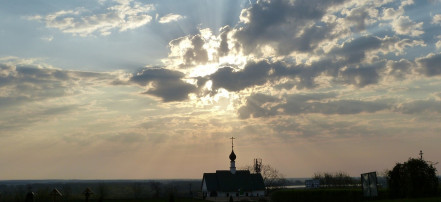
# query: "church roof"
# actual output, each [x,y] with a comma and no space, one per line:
[225,181]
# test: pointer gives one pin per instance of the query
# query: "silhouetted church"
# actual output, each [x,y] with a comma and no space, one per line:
[226,183]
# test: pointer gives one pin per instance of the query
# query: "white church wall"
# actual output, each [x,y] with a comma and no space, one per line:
[204,186]
[236,194]
[258,193]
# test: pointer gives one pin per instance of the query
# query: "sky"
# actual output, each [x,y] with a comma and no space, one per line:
[153,89]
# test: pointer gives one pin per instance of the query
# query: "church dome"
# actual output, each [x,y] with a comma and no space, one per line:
[232,155]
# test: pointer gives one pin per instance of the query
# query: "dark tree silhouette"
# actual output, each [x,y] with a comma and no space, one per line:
[171,197]
[103,191]
[137,190]
[156,187]
[67,191]
[414,178]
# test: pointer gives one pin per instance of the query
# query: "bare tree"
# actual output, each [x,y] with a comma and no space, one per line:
[272,178]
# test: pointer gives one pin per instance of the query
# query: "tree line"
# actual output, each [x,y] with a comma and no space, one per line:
[337,179]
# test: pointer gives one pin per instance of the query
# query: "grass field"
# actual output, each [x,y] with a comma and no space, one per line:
[434,199]
[326,195]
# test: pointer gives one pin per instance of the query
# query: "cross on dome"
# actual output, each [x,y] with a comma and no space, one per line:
[232,143]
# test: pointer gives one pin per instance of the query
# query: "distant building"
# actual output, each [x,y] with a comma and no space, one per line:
[232,183]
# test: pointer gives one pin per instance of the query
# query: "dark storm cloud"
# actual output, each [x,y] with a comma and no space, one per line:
[223,46]
[400,69]
[259,105]
[197,54]
[253,74]
[362,75]
[166,84]
[301,76]
[354,51]
[430,65]
[358,17]
[257,73]
[145,76]
[279,22]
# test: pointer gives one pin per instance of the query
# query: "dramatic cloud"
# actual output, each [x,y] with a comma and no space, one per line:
[360,17]
[299,26]
[197,54]
[223,46]
[354,51]
[400,69]
[30,82]
[285,25]
[363,75]
[436,19]
[170,18]
[123,16]
[189,51]
[405,26]
[401,23]
[285,76]
[350,63]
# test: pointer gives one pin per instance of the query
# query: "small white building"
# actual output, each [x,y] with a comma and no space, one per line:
[232,183]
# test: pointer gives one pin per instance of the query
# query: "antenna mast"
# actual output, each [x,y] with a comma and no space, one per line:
[257,165]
